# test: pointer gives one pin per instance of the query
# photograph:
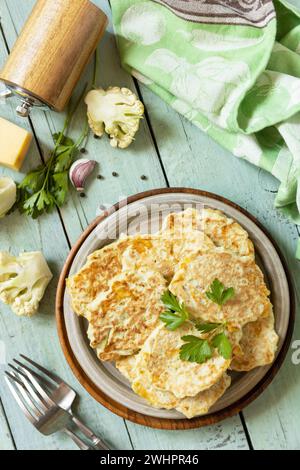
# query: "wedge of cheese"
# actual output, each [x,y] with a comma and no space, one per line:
[14,144]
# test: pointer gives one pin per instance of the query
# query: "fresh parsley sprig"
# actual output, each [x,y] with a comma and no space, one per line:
[199,350]
[47,186]
[207,327]
[195,349]
[176,313]
[223,345]
[218,293]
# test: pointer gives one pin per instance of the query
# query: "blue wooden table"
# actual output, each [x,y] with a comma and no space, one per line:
[169,151]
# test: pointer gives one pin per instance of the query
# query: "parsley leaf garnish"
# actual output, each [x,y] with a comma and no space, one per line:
[47,186]
[219,294]
[199,350]
[207,327]
[176,313]
[195,349]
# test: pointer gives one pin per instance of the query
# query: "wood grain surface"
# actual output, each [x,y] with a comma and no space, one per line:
[169,151]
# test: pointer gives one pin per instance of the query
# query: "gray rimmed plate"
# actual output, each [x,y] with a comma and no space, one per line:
[144,213]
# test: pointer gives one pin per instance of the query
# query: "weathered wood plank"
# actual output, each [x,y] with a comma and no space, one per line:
[191,159]
[227,435]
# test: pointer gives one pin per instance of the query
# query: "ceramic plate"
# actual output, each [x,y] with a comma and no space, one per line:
[144,213]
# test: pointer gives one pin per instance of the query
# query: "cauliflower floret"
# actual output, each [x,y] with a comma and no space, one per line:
[116,111]
[8,194]
[23,281]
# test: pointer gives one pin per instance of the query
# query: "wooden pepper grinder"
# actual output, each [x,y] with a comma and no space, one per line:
[55,45]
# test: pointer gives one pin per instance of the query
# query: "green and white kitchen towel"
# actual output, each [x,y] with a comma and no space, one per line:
[232,67]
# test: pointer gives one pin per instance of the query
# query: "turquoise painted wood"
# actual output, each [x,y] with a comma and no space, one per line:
[6,440]
[189,158]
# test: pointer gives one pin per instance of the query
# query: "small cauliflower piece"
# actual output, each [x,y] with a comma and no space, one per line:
[23,281]
[8,194]
[116,111]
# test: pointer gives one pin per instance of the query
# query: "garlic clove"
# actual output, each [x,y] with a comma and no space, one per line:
[8,194]
[79,172]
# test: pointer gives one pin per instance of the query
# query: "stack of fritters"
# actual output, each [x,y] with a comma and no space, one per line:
[119,292]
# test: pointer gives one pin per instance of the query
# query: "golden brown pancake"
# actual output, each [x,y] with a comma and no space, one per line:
[185,234]
[133,252]
[257,346]
[151,251]
[94,277]
[121,319]
[201,403]
[168,372]
[226,233]
[135,370]
[194,278]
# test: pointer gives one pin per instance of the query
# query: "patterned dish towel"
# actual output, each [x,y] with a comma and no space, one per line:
[232,67]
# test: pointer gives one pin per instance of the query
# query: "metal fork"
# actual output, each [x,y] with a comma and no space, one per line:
[47,402]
